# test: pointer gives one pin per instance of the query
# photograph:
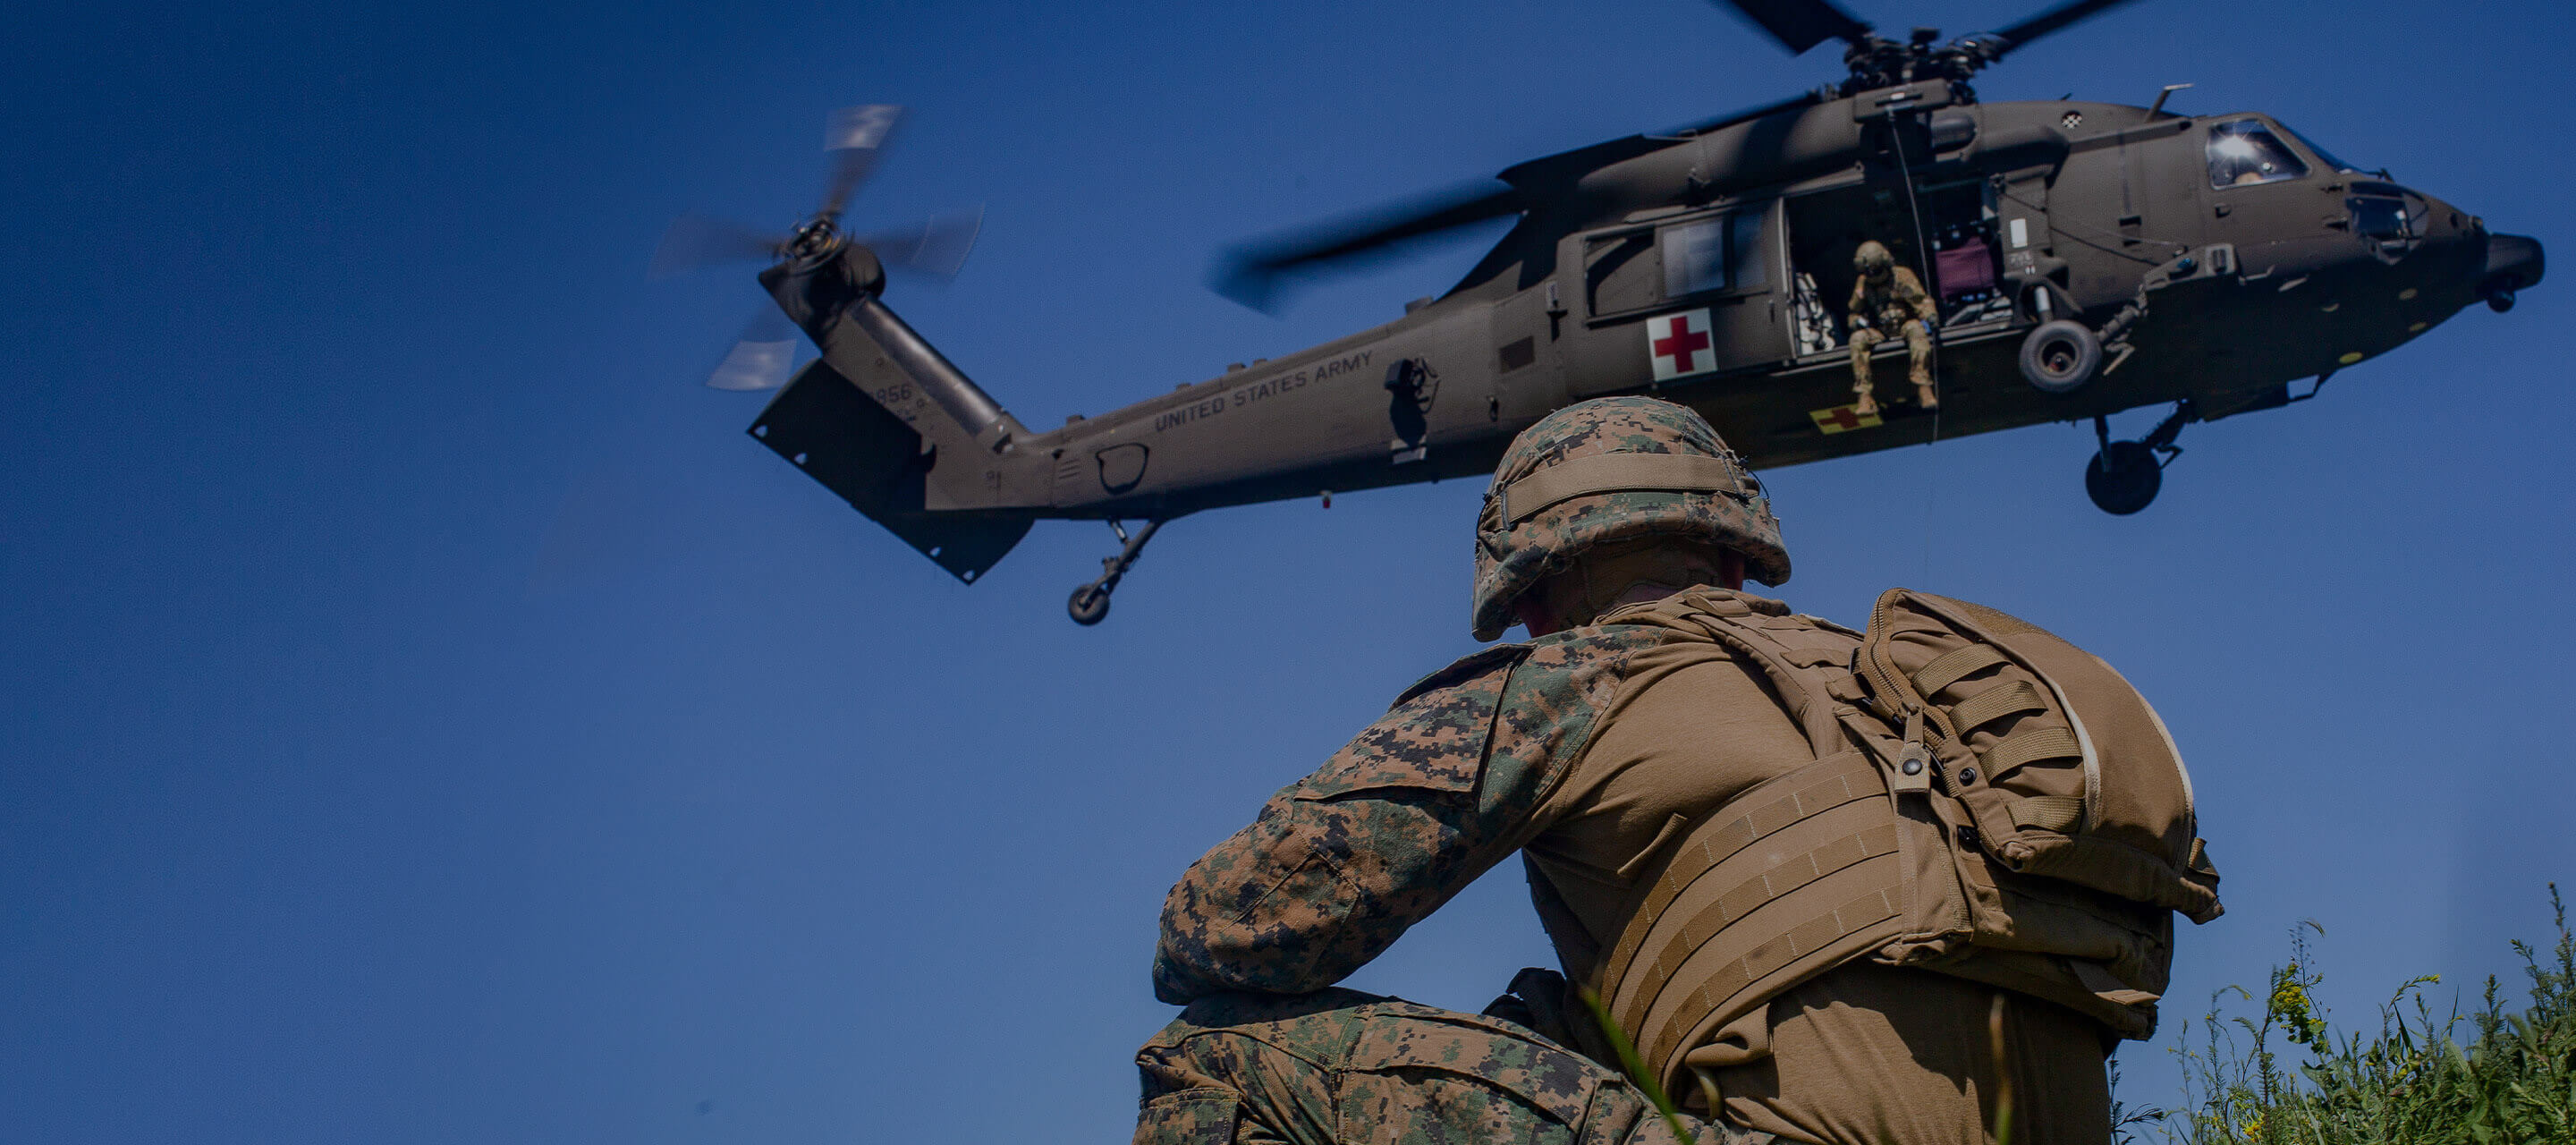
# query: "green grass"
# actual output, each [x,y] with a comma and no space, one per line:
[2288,1076]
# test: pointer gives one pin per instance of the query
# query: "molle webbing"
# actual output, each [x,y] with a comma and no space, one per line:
[1995,703]
[1947,668]
[2031,746]
[1809,830]
[1620,473]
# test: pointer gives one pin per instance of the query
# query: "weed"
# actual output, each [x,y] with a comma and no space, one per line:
[2410,1083]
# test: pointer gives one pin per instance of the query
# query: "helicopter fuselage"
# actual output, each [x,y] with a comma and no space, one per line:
[2219,258]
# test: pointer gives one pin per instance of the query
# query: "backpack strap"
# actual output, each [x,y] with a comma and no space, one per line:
[1809,664]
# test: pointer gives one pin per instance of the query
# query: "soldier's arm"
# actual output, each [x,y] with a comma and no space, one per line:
[1858,312]
[1339,865]
[1916,298]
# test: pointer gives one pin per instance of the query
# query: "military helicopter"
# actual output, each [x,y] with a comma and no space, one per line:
[2085,258]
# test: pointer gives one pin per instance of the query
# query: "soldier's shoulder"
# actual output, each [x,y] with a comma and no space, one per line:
[1560,664]
[1433,738]
[1578,668]
[1488,664]
[1550,706]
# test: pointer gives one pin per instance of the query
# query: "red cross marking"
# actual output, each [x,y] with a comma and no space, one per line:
[1844,417]
[1682,345]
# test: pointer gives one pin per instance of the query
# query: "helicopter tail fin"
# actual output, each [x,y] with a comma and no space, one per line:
[835,429]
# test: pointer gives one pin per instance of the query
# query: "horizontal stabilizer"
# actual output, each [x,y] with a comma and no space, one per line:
[823,425]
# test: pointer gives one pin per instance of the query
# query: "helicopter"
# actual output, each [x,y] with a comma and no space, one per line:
[2083,258]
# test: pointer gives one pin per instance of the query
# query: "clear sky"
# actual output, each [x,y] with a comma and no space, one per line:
[425,717]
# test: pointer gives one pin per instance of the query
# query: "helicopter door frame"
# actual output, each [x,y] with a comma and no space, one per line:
[1630,274]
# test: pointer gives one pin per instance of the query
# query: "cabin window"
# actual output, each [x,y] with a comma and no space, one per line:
[1639,269]
[1713,254]
[1694,258]
[1744,250]
[1620,273]
[2244,152]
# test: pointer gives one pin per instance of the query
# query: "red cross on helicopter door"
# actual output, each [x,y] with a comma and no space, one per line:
[1680,344]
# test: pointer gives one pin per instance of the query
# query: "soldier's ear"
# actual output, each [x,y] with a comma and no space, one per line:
[1534,615]
[1730,570]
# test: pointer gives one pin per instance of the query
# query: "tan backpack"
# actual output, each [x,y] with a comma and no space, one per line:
[1986,800]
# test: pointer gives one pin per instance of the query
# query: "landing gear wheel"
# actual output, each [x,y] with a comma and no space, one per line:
[2124,477]
[2499,299]
[2060,356]
[1089,605]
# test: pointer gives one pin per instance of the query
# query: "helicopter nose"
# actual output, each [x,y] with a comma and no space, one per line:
[2514,263]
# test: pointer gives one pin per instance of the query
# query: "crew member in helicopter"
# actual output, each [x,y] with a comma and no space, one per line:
[1888,301]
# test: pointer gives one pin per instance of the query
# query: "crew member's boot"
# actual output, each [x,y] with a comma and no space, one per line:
[1867,406]
[1925,395]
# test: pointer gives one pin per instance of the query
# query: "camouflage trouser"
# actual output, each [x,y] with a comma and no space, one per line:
[1344,1068]
[1918,346]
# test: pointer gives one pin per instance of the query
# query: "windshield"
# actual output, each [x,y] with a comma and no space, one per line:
[2244,152]
[2323,155]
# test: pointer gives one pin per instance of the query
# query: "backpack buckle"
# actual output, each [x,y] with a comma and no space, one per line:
[1914,762]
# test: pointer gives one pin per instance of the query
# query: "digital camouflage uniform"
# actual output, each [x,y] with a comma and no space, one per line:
[1888,301]
[1341,1066]
[1488,757]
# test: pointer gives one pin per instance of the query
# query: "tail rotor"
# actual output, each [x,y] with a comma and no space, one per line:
[934,249]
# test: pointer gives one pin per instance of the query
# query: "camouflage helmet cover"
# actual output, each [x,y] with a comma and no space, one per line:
[1558,492]
[1873,258]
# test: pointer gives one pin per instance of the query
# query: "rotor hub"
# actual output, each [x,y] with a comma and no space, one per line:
[814,242]
[1877,62]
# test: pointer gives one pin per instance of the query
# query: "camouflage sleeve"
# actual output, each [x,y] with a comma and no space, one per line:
[1340,864]
[1909,290]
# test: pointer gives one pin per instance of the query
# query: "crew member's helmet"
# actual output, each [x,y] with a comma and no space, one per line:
[1873,260]
[1608,471]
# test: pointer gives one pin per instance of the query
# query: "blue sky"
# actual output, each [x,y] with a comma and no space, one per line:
[426,717]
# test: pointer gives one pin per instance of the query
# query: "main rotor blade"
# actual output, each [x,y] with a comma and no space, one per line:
[854,136]
[1248,273]
[696,242]
[2052,20]
[762,359]
[1802,24]
[936,246]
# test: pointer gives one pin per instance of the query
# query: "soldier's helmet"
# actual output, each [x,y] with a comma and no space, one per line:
[1608,471]
[1872,259]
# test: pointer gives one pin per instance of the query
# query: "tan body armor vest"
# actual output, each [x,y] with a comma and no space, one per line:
[1986,800]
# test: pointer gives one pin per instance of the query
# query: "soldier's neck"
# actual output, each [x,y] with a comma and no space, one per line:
[1540,621]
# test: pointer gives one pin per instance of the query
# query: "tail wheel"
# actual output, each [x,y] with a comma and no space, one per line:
[1089,605]
[2060,356]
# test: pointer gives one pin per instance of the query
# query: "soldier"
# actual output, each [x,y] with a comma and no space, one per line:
[1619,532]
[1888,302]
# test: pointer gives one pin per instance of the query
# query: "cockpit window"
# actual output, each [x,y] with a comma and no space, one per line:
[2323,155]
[2384,219]
[2244,152]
